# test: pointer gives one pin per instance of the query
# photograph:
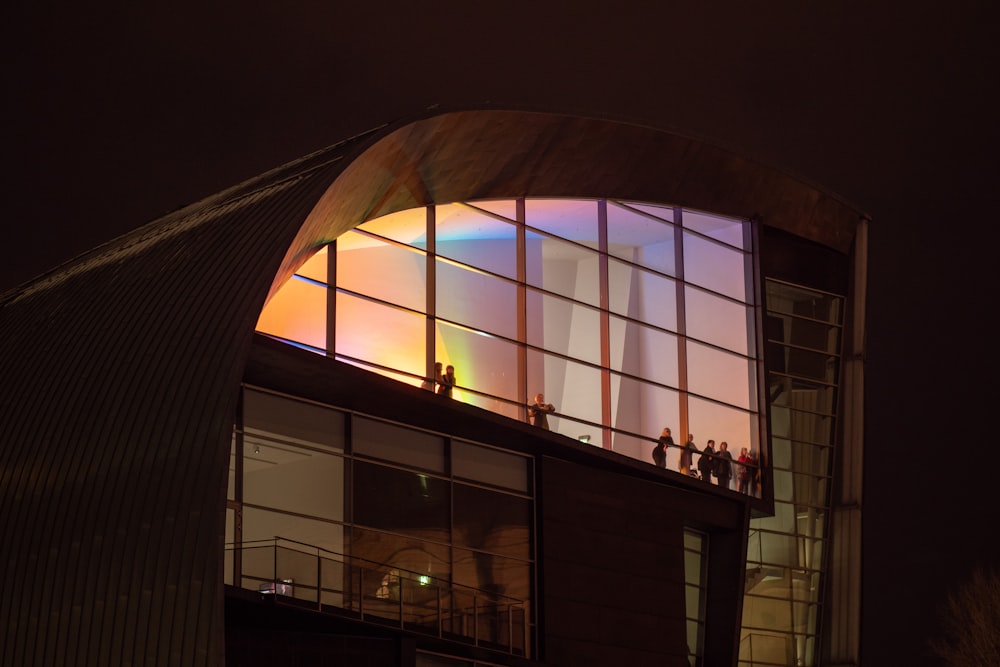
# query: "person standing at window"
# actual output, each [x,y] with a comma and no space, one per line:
[743,470]
[538,412]
[724,465]
[447,381]
[707,461]
[660,451]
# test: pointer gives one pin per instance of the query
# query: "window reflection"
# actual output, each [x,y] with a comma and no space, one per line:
[401,501]
[784,558]
[391,536]
[490,466]
[492,522]
[786,299]
[397,444]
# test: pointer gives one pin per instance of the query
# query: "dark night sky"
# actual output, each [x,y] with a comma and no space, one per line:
[118,116]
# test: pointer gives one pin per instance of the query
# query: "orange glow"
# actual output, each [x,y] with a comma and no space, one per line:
[388,283]
[296,312]
[315,266]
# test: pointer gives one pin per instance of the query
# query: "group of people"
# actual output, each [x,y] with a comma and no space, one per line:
[712,463]
[443,381]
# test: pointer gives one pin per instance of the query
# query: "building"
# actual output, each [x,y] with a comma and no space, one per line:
[218,449]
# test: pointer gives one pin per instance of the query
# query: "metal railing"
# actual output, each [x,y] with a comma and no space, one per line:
[379,593]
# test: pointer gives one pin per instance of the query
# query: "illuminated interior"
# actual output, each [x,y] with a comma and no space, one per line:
[629,317]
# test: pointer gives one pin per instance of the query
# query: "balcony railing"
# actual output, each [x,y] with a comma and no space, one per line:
[379,593]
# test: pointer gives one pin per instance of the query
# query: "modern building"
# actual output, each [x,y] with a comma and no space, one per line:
[226,440]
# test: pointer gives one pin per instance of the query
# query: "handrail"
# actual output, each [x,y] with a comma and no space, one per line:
[413,601]
[746,649]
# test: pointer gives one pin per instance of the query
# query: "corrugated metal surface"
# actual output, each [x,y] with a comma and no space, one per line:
[119,371]
[119,386]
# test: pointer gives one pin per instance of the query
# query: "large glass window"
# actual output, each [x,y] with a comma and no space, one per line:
[484,364]
[477,239]
[476,299]
[637,408]
[297,313]
[640,238]
[642,351]
[785,551]
[401,501]
[489,466]
[354,512]
[574,220]
[564,326]
[391,336]
[573,387]
[562,268]
[627,316]
[695,579]
[398,444]
[400,279]
[715,266]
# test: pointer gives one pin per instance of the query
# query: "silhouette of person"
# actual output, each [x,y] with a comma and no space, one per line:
[724,465]
[660,451]
[743,470]
[707,461]
[447,381]
[538,412]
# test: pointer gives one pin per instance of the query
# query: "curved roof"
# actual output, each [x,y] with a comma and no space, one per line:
[121,368]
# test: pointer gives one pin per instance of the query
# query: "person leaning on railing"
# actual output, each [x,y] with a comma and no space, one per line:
[660,450]
[538,412]
[706,463]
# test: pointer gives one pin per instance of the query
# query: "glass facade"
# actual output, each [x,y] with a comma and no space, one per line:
[785,557]
[695,589]
[628,317]
[389,521]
